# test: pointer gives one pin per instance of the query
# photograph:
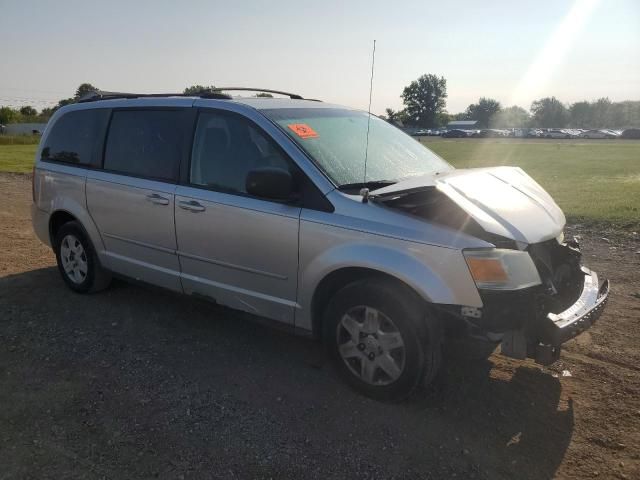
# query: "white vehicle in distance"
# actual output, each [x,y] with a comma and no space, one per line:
[599,134]
[559,133]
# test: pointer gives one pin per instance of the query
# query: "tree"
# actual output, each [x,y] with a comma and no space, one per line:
[580,115]
[8,115]
[45,114]
[549,112]
[198,89]
[425,99]
[483,111]
[264,95]
[600,113]
[395,117]
[28,111]
[511,117]
[83,89]
[391,115]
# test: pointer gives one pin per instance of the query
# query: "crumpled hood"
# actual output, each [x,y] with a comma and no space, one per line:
[503,200]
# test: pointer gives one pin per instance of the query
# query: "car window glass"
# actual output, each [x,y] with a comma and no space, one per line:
[74,136]
[146,143]
[226,147]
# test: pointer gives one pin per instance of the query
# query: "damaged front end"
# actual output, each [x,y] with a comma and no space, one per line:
[568,302]
[532,319]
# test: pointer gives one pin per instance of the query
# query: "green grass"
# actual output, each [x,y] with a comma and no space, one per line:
[17,158]
[19,139]
[592,181]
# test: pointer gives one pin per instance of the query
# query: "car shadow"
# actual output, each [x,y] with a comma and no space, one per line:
[161,384]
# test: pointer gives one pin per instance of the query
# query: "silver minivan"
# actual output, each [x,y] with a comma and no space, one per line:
[322,218]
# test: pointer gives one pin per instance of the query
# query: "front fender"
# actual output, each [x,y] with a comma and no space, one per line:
[437,274]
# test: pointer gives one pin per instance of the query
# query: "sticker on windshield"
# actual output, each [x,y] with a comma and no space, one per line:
[303,130]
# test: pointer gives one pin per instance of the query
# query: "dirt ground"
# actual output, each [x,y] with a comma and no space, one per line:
[135,382]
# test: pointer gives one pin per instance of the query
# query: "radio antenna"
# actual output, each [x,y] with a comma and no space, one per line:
[365,191]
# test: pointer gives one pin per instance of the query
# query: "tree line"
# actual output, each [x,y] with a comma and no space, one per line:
[424,102]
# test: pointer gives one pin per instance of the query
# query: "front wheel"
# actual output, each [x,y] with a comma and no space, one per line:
[381,340]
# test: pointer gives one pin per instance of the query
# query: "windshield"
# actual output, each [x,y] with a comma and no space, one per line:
[336,140]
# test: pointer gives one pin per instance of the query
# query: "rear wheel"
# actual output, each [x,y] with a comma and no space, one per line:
[77,260]
[381,340]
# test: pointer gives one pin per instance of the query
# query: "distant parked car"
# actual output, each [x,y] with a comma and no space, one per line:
[558,133]
[490,133]
[599,134]
[455,134]
[631,133]
[421,133]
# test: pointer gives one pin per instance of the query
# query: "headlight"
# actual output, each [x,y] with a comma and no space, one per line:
[501,269]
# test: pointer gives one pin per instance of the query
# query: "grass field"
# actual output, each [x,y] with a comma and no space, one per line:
[17,158]
[19,139]
[593,181]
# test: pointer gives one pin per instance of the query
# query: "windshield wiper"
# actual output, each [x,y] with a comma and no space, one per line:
[371,185]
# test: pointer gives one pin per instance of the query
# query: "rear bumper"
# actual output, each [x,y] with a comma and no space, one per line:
[40,221]
[543,339]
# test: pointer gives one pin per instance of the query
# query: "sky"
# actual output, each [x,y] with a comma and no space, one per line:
[513,50]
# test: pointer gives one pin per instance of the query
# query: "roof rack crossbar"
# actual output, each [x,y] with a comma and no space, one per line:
[214,93]
[293,96]
[102,95]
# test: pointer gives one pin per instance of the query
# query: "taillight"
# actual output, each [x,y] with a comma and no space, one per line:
[33,184]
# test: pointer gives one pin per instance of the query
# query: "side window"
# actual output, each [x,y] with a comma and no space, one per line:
[226,147]
[146,143]
[75,136]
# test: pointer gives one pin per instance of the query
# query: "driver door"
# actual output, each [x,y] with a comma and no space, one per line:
[239,250]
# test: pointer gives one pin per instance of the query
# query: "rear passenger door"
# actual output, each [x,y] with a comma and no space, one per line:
[132,198]
[240,250]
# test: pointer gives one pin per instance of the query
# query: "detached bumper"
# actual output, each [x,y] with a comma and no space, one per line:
[561,327]
[543,340]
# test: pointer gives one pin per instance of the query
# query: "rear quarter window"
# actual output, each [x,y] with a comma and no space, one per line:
[75,138]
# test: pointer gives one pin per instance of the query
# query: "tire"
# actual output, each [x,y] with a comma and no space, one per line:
[413,339]
[77,260]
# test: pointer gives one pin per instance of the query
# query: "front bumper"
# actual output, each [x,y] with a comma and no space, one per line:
[543,338]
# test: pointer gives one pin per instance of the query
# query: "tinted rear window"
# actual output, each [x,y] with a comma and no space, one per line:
[146,143]
[75,137]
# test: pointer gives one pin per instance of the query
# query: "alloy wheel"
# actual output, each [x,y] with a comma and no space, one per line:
[74,259]
[371,345]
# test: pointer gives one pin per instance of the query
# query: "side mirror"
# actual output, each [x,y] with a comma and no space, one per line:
[269,182]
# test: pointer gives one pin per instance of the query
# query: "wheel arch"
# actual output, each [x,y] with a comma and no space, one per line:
[56,220]
[62,216]
[338,279]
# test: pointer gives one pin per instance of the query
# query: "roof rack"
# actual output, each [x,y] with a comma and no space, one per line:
[102,95]
[293,96]
[215,93]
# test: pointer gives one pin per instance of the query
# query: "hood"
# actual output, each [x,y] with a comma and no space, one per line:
[504,201]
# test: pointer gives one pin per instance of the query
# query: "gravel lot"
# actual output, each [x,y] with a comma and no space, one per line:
[139,383]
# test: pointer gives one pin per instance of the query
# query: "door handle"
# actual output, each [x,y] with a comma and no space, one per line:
[158,199]
[192,206]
